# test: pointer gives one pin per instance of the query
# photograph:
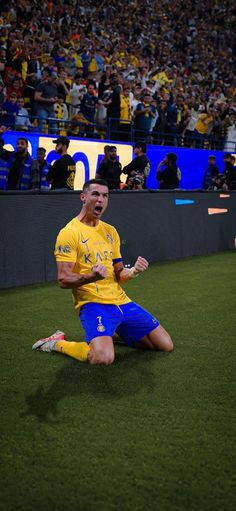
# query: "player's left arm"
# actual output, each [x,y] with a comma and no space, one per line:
[125,274]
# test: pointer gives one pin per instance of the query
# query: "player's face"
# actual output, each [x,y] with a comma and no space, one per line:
[95,200]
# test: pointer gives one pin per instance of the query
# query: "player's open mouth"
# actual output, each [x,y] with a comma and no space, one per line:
[98,209]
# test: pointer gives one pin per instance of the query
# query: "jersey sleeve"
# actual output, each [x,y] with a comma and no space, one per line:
[66,246]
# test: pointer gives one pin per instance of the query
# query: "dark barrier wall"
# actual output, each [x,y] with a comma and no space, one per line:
[156,225]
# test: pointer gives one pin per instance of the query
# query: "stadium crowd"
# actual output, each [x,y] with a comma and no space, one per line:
[161,72]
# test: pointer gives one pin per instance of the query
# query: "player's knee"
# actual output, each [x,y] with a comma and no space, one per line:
[168,345]
[105,359]
[102,357]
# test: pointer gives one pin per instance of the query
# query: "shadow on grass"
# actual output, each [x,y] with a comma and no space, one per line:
[126,377]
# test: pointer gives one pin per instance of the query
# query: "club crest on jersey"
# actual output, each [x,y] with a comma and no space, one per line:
[100,327]
[109,237]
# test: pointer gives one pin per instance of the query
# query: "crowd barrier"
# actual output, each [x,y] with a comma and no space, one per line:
[88,154]
[157,225]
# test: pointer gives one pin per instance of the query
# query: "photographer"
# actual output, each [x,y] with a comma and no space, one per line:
[135,182]
[169,178]
[140,165]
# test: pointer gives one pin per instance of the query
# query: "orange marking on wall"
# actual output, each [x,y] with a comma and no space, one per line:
[216,211]
[224,196]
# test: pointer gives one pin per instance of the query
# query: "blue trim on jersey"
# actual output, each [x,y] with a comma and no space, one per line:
[130,321]
[118,260]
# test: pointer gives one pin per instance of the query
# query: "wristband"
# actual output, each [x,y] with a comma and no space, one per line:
[132,273]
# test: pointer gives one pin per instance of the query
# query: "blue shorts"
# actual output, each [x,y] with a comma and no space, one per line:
[130,321]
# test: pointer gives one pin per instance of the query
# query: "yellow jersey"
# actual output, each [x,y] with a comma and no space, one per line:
[86,246]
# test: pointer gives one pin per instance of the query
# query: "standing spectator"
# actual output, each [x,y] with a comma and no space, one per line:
[88,107]
[10,111]
[125,114]
[33,77]
[203,127]
[176,120]
[61,113]
[136,98]
[210,173]
[140,166]
[22,122]
[169,178]
[160,128]
[110,169]
[19,164]
[78,89]
[45,96]
[62,83]
[112,103]
[143,116]
[16,86]
[39,171]
[61,174]
[230,142]
[193,116]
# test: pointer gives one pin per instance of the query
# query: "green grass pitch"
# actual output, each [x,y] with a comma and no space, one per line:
[153,431]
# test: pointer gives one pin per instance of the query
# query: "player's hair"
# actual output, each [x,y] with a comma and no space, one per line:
[94,181]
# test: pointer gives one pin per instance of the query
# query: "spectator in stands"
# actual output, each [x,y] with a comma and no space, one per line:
[170,176]
[10,110]
[88,107]
[193,115]
[230,142]
[125,114]
[61,113]
[62,83]
[203,127]
[46,94]
[17,87]
[110,169]
[176,120]
[19,164]
[61,174]
[191,57]
[139,166]
[78,89]
[143,116]
[160,128]
[210,173]
[112,104]
[22,121]
[39,171]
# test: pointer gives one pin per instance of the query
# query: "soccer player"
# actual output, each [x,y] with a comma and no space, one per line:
[90,263]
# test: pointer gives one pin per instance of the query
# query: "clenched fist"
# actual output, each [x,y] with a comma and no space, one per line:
[140,265]
[99,271]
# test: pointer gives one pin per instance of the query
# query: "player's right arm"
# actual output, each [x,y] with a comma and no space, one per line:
[68,279]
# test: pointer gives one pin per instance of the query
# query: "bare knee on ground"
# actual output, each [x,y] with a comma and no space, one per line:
[101,351]
[159,339]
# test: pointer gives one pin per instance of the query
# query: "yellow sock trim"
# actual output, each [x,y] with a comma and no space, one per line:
[78,350]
